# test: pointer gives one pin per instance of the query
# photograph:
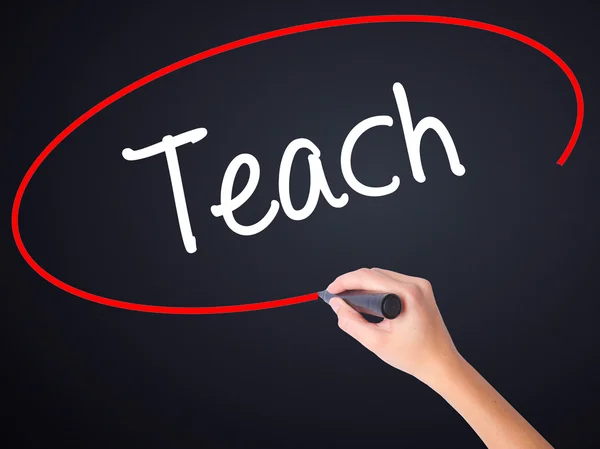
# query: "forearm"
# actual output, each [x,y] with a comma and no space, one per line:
[496,422]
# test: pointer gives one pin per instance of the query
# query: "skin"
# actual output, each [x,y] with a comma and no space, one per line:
[418,343]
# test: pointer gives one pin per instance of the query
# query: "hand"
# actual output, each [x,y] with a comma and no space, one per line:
[417,341]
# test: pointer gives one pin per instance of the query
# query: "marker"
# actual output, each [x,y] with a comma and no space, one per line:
[383,305]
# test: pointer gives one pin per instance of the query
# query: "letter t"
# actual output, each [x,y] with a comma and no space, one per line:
[169,145]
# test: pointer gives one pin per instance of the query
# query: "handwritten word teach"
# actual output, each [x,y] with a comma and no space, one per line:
[318,181]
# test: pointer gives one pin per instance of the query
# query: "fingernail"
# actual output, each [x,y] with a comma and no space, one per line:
[334,303]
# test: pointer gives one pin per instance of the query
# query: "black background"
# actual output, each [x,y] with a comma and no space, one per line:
[510,247]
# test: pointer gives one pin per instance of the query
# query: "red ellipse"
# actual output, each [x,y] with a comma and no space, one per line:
[231,46]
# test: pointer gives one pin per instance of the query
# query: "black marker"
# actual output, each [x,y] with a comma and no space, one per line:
[384,305]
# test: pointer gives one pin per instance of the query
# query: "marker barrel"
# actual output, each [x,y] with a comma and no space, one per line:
[383,305]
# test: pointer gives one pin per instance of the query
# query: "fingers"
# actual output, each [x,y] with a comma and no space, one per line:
[397,276]
[363,279]
[352,322]
[423,284]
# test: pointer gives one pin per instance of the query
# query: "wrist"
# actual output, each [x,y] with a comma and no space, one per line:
[444,369]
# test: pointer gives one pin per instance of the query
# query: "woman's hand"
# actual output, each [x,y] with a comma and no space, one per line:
[417,341]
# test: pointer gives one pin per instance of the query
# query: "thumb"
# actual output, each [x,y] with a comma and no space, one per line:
[352,322]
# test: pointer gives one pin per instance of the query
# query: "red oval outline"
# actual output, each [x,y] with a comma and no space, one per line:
[231,46]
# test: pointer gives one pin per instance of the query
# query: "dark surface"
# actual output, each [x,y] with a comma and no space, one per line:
[511,247]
